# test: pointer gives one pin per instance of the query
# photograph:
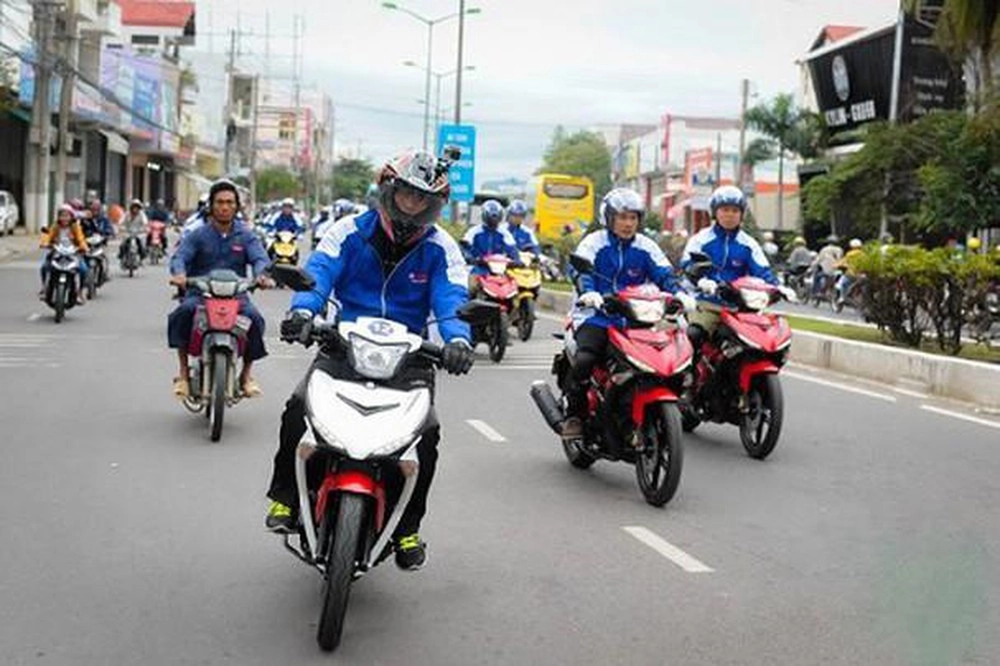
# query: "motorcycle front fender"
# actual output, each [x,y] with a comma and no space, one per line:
[750,370]
[217,341]
[644,397]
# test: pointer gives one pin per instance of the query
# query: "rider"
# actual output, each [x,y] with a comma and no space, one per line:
[223,242]
[621,258]
[135,224]
[800,257]
[97,223]
[65,229]
[826,263]
[340,208]
[285,219]
[848,274]
[770,247]
[391,261]
[487,238]
[733,254]
[524,237]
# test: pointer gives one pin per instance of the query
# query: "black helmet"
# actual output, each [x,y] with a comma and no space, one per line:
[223,185]
[492,213]
[418,172]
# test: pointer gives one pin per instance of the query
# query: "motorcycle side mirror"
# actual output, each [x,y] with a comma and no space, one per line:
[700,266]
[478,311]
[293,277]
[581,264]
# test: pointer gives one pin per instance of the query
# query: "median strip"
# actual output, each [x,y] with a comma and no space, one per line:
[668,550]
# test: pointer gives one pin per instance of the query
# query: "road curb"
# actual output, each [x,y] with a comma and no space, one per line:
[952,378]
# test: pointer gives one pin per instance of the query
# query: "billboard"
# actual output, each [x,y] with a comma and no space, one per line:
[462,174]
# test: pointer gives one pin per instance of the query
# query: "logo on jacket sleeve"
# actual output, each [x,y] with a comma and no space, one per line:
[419,277]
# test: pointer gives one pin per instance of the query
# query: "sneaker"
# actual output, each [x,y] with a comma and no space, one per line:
[411,552]
[572,428]
[280,518]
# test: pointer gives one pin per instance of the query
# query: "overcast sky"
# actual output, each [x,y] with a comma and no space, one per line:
[538,62]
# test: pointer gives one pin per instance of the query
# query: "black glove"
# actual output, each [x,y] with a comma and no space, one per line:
[294,323]
[457,357]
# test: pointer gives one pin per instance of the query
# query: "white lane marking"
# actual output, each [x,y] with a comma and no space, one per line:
[959,415]
[34,316]
[668,550]
[547,366]
[908,392]
[486,431]
[842,387]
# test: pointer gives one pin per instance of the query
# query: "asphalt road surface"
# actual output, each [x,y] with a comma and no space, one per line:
[870,536]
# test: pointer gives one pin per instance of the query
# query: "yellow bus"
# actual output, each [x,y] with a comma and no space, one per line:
[559,202]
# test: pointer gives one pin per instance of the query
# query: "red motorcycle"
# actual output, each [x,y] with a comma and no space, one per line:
[633,412]
[218,339]
[736,378]
[495,286]
[156,241]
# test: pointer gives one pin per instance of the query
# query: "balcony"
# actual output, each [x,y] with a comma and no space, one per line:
[107,21]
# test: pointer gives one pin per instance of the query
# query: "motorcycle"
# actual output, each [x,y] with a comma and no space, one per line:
[500,288]
[799,279]
[283,249]
[736,379]
[357,464]
[61,286]
[632,399]
[529,281]
[984,316]
[157,242]
[130,258]
[218,339]
[97,263]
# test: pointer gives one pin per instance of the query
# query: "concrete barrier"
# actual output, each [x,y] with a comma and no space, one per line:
[944,376]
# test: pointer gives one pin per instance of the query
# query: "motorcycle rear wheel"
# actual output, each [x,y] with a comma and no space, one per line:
[59,301]
[658,465]
[760,427]
[499,338]
[526,319]
[341,556]
[217,407]
[576,455]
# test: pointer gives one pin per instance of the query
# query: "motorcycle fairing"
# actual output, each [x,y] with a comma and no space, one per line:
[667,352]
[764,331]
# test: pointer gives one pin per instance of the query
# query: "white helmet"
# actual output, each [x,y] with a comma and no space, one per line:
[619,200]
[855,243]
[288,201]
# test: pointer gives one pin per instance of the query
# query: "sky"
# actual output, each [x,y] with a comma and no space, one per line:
[538,63]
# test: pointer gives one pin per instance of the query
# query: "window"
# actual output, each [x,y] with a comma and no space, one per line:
[286,127]
[565,190]
[146,40]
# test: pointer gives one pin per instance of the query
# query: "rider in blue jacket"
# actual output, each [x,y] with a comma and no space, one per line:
[390,262]
[286,219]
[733,253]
[523,236]
[488,237]
[621,257]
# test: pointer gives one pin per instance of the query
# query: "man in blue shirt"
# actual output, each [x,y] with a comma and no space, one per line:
[223,242]
[524,237]
[286,220]
[390,262]
[94,221]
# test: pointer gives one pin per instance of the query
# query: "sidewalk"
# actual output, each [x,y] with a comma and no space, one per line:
[19,245]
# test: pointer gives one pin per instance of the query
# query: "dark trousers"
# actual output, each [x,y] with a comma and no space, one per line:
[591,346]
[180,321]
[293,427]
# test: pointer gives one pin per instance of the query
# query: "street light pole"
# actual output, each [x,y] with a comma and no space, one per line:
[427,82]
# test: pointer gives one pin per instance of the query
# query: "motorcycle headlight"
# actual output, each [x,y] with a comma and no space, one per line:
[374,360]
[648,312]
[755,299]
[223,288]
[497,267]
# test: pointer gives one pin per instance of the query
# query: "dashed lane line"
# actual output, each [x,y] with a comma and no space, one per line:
[685,561]
[840,387]
[486,431]
[961,416]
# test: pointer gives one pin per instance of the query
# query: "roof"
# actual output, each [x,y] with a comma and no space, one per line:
[157,13]
[833,33]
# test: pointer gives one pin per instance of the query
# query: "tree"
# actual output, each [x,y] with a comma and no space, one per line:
[351,178]
[580,154]
[276,183]
[759,150]
[782,123]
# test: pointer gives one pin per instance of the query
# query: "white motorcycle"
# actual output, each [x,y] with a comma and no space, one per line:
[361,440]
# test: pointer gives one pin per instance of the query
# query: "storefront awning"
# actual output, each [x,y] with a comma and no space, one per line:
[116,142]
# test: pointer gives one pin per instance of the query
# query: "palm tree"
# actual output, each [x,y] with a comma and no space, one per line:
[777,121]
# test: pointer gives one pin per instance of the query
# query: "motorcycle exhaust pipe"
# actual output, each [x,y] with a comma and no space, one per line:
[547,404]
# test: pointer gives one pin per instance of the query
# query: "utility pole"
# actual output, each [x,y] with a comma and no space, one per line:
[37,210]
[745,90]
[458,89]
[718,158]
[70,52]
[253,145]
[226,163]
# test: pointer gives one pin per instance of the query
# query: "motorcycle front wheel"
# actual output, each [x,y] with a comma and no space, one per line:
[341,556]
[658,465]
[760,426]
[526,319]
[59,300]
[498,340]
[217,407]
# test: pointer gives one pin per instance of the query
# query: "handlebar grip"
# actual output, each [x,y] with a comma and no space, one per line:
[431,350]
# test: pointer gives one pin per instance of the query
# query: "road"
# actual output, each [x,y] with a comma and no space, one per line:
[871,535]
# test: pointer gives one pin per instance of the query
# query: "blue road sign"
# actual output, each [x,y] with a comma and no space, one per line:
[463,172]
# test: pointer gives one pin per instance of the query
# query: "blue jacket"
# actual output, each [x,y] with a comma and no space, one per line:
[619,264]
[480,241]
[285,223]
[734,254]
[524,238]
[431,277]
[205,249]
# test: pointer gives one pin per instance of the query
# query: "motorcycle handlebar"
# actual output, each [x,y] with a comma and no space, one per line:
[327,333]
